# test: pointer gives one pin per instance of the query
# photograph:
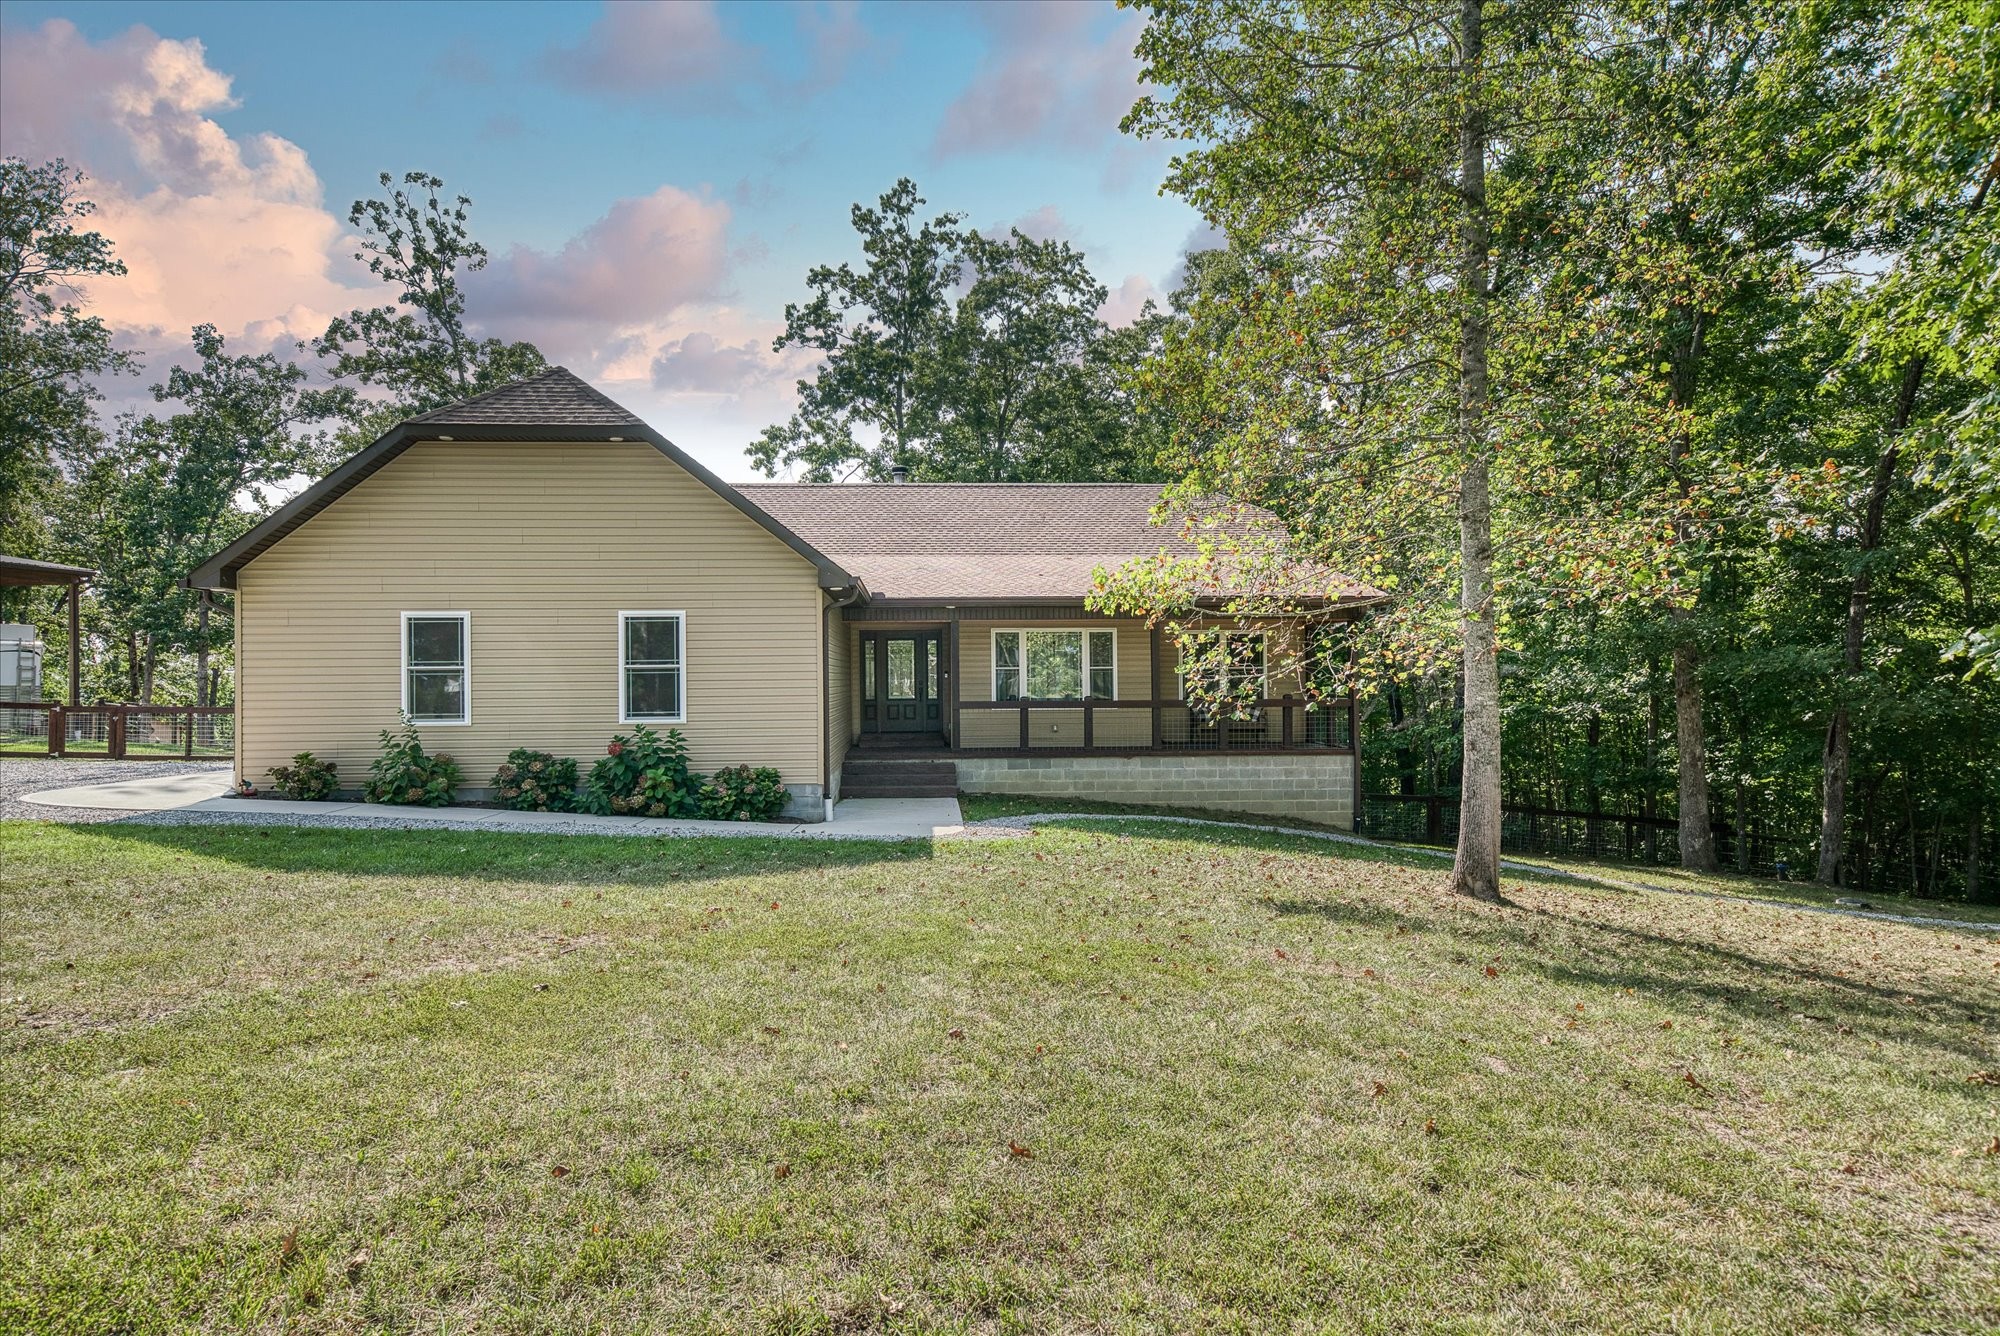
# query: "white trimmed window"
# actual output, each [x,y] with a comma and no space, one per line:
[1238,676]
[437,671]
[1055,665]
[652,667]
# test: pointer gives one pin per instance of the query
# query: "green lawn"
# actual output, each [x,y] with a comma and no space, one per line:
[986,806]
[357,1081]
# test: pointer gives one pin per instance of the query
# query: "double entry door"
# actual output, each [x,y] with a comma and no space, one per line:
[901,678]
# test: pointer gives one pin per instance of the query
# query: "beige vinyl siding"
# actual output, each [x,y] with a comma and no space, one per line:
[841,698]
[1056,728]
[544,545]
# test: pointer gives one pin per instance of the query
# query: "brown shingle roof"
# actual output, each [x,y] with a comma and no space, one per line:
[947,541]
[557,396]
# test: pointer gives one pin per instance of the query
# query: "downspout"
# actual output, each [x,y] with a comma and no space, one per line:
[847,599]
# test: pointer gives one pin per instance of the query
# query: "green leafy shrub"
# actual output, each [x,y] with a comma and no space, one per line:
[307,778]
[738,793]
[643,775]
[404,774]
[535,781]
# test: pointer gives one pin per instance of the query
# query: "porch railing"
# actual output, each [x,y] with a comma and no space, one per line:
[1282,723]
[117,732]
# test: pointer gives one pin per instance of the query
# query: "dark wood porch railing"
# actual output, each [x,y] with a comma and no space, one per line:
[117,732]
[1176,725]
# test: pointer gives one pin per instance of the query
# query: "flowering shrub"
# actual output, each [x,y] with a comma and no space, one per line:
[643,775]
[307,779]
[739,793]
[533,781]
[404,774]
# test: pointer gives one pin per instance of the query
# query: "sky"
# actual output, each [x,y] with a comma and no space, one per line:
[652,180]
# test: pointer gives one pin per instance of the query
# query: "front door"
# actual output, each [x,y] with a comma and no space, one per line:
[899,682]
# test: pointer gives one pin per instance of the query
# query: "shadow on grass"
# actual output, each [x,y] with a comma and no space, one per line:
[1679,969]
[506,855]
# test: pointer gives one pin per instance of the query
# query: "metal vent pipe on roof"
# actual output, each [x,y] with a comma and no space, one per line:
[899,473]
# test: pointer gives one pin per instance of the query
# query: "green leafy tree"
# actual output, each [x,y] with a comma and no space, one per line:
[172,490]
[1375,368]
[877,329]
[419,350]
[50,351]
[961,357]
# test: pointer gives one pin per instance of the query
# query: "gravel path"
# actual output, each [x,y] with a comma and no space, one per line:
[19,776]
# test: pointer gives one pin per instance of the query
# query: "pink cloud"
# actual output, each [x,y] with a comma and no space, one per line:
[1048,80]
[651,50]
[1128,300]
[210,228]
[644,259]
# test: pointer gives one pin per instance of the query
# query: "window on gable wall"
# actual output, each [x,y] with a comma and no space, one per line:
[437,650]
[651,661]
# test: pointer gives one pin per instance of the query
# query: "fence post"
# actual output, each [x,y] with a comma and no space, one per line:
[187,736]
[1433,821]
[114,741]
[58,730]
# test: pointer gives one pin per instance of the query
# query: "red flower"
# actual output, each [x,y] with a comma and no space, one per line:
[615,748]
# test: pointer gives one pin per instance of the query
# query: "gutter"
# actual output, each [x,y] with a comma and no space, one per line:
[855,593]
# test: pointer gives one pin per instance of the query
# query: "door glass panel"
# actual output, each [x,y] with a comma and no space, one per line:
[902,670]
[868,670]
[931,655]
[1055,664]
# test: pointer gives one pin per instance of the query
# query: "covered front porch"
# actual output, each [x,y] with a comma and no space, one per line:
[1053,680]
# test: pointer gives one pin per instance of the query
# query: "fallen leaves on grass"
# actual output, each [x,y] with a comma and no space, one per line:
[288,1247]
[1984,1078]
[782,1171]
[1019,1152]
[954,1033]
[559,1171]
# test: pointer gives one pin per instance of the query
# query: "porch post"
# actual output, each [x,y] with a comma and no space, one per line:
[957,738]
[1153,678]
[75,645]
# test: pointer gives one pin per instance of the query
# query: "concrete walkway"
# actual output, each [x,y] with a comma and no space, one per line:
[203,799]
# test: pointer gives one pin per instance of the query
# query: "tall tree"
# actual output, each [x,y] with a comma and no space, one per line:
[173,489]
[420,350]
[876,328]
[1935,149]
[50,351]
[962,357]
[1379,378]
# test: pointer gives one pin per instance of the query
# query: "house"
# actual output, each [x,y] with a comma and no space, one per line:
[536,567]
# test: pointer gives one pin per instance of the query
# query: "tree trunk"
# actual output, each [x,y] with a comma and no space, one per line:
[1476,869]
[1839,730]
[1697,834]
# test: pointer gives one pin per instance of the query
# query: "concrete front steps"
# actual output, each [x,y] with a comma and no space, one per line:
[880,777]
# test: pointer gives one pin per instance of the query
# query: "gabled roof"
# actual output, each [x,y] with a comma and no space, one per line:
[555,405]
[947,542]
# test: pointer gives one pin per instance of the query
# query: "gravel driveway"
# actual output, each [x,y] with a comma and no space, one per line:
[19,776]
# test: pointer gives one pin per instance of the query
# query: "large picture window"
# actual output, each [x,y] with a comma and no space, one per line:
[437,677]
[1055,665]
[652,672]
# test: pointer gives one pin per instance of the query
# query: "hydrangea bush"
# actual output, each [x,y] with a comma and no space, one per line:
[405,775]
[535,781]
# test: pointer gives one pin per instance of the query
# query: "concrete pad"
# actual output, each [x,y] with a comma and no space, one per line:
[856,818]
[147,793]
[896,818]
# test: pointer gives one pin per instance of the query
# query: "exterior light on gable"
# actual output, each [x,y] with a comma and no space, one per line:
[446,438]
[619,439]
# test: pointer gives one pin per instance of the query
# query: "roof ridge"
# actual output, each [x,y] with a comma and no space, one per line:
[543,374]
[560,376]
[857,486]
